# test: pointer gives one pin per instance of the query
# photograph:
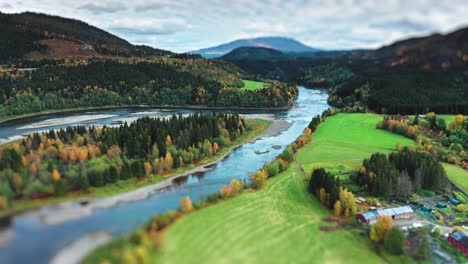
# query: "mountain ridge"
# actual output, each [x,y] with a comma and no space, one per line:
[282,44]
[38,35]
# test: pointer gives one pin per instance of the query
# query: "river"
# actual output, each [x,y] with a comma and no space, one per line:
[37,242]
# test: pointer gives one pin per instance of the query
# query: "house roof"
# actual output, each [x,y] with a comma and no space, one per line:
[460,237]
[370,215]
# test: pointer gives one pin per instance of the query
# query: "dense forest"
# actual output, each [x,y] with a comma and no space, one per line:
[75,158]
[401,173]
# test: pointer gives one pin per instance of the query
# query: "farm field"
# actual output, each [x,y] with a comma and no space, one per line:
[273,225]
[344,140]
[253,85]
[458,175]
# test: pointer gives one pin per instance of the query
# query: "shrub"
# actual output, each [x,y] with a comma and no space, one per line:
[213,197]
[3,203]
[186,204]
[225,191]
[259,179]
[394,241]
[35,188]
[272,168]
[288,155]
[461,208]
[236,186]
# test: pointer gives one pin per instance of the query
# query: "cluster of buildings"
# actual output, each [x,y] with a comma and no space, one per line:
[457,238]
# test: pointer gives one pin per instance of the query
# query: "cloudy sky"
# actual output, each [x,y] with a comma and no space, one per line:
[183,25]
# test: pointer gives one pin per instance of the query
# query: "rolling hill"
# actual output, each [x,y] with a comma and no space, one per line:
[252,53]
[33,35]
[282,44]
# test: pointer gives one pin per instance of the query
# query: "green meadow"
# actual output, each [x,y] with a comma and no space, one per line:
[253,85]
[282,222]
[278,224]
[458,175]
[344,140]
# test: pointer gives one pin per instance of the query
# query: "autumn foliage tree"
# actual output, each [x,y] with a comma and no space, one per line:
[383,225]
[259,179]
[186,204]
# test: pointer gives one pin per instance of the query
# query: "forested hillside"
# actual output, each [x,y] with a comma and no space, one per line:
[163,81]
[407,77]
[32,35]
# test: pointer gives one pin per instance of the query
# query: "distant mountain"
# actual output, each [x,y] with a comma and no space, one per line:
[281,44]
[34,35]
[254,53]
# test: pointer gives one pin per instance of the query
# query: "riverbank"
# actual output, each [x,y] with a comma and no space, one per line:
[72,204]
[110,107]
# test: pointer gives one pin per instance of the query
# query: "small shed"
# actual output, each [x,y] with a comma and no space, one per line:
[441,205]
[454,201]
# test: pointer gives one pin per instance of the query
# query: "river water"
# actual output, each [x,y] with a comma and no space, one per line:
[37,242]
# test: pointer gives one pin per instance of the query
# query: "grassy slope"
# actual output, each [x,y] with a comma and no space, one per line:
[259,126]
[280,223]
[276,225]
[344,140]
[457,175]
[253,85]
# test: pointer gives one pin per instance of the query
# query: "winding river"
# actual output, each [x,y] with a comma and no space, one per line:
[34,241]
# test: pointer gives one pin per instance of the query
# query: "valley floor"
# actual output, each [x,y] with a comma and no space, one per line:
[283,222]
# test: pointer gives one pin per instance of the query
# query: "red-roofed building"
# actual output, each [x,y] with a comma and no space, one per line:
[459,240]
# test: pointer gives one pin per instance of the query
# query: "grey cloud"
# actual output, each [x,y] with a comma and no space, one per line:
[144,31]
[404,25]
[6,5]
[150,27]
[112,7]
[148,7]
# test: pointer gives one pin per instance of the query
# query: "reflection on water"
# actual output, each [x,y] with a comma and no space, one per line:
[28,244]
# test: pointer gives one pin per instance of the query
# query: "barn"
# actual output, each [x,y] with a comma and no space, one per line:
[459,240]
[370,217]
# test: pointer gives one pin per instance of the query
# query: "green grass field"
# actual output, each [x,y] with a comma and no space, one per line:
[344,140]
[253,85]
[278,224]
[448,118]
[281,223]
[458,175]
